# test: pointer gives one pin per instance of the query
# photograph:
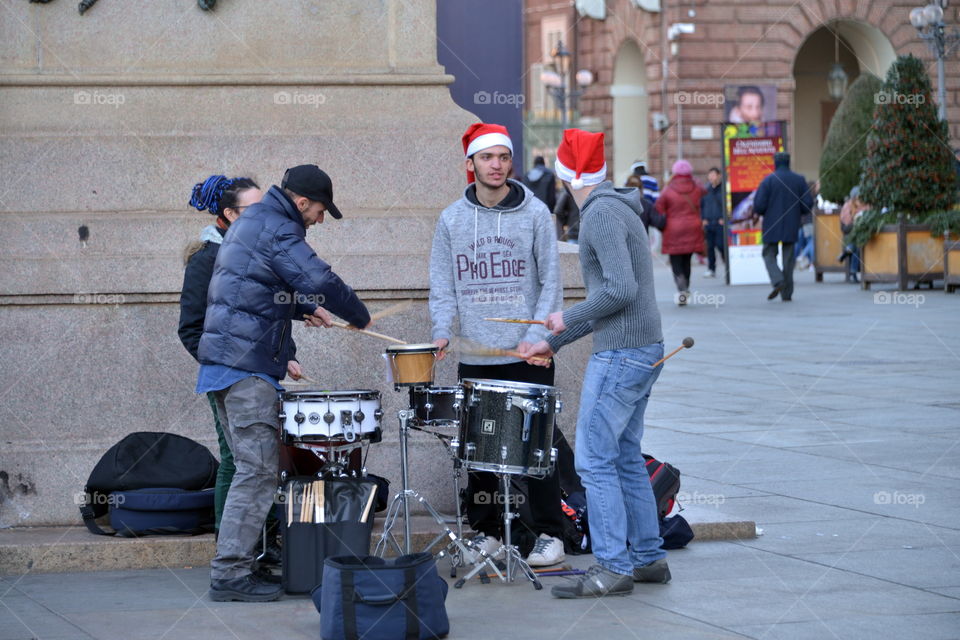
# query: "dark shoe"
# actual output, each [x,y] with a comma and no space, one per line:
[248,588]
[657,572]
[777,288]
[595,583]
[263,574]
[786,298]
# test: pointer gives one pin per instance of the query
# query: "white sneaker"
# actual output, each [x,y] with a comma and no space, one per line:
[488,544]
[546,551]
[709,274]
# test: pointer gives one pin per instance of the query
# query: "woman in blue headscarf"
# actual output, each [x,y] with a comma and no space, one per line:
[225,198]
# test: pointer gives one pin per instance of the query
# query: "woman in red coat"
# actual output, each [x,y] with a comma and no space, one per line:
[679,203]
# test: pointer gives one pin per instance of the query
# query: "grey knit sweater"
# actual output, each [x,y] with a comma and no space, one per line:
[621,306]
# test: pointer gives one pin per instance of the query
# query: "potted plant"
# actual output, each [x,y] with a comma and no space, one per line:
[843,151]
[908,178]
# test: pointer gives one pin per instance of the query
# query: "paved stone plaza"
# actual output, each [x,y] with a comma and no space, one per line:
[832,421]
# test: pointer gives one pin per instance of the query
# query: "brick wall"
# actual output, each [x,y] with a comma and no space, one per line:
[735,42]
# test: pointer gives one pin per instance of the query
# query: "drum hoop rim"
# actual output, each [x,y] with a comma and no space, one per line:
[422,347]
[489,384]
[363,394]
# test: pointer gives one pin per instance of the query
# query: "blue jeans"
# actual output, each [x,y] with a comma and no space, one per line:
[620,501]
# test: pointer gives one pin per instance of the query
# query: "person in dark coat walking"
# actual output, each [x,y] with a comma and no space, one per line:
[782,199]
[679,203]
[542,182]
[225,198]
[711,213]
[265,276]
[566,213]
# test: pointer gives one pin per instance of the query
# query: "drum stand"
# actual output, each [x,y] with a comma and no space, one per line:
[402,502]
[512,557]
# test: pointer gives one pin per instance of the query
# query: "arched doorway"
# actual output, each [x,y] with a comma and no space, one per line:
[630,110]
[863,47]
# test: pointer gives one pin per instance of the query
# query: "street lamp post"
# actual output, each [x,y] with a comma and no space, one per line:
[929,23]
[555,81]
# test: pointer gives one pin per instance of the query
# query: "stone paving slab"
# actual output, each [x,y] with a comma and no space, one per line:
[790,415]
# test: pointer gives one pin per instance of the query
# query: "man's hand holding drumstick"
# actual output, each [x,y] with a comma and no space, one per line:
[541,352]
[319,318]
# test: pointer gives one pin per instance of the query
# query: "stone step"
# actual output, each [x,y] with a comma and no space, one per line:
[73,548]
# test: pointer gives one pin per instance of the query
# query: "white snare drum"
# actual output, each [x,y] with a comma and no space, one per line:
[324,416]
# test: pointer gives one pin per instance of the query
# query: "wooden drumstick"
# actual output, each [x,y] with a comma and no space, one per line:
[344,325]
[391,310]
[515,320]
[687,343]
[366,510]
[320,502]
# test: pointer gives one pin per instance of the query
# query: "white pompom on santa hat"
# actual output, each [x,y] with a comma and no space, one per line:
[580,159]
[481,136]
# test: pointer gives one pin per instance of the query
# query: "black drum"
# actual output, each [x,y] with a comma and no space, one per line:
[437,406]
[507,427]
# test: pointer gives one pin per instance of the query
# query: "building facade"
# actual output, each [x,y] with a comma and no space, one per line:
[661,68]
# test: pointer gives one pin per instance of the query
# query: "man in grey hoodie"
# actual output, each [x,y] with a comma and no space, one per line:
[621,312]
[495,255]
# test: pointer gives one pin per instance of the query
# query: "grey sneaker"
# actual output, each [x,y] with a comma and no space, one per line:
[656,571]
[595,583]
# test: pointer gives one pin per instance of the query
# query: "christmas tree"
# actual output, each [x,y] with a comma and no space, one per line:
[909,164]
[846,143]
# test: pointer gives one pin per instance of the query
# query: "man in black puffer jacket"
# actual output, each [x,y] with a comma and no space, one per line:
[266,275]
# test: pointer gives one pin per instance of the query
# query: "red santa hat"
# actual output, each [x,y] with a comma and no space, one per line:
[481,136]
[580,159]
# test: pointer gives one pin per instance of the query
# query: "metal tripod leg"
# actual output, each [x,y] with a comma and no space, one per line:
[512,555]
[401,500]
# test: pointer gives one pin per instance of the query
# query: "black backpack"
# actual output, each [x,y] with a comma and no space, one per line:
[665,480]
[156,461]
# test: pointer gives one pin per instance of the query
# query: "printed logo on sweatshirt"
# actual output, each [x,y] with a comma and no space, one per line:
[495,275]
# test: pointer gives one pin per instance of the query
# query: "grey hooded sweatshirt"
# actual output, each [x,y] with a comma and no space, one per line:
[494,262]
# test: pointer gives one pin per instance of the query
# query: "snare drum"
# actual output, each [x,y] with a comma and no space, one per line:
[411,365]
[325,416]
[437,406]
[507,427]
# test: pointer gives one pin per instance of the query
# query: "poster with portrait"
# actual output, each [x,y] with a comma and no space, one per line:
[747,159]
[749,103]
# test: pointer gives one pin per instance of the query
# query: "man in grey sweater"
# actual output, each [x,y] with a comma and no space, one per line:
[495,255]
[621,312]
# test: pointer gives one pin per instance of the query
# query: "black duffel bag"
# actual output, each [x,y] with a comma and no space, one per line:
[382,599]
[149,460]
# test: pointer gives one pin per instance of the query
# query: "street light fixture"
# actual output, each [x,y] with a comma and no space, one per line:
[837,78]
[555,80]
[929,23]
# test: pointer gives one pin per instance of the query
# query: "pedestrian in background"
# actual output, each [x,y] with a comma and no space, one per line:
[711,215]
[567,215]
[782,199]
[683,233]
[542,182]
[651,188]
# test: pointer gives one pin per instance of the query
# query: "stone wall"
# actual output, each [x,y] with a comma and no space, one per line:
[106,122]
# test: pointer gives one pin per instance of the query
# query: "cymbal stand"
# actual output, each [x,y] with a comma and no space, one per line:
[401,503]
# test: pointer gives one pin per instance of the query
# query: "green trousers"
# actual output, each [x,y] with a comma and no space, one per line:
[226,470]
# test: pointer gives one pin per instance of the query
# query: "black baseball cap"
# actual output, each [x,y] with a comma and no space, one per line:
[309,181]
